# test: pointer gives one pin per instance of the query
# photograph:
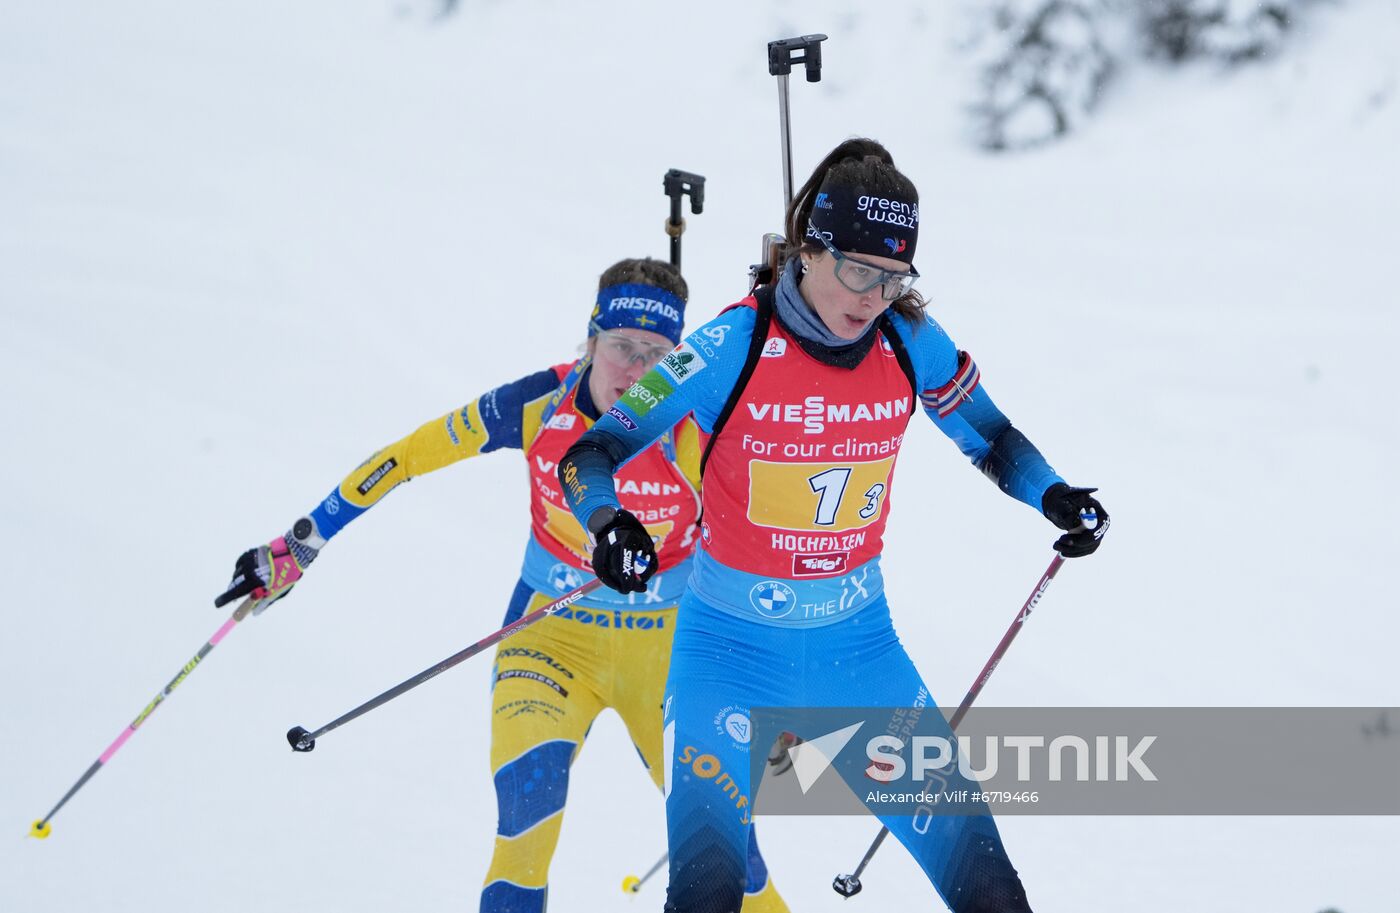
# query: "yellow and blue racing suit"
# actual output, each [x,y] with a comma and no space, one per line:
[552,679]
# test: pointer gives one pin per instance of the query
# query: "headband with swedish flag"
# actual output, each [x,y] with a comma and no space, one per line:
[638,307]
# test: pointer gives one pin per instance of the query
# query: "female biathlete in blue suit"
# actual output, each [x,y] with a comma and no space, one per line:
[785,604]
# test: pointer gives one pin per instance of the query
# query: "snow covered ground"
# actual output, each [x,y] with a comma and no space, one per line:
[241,245]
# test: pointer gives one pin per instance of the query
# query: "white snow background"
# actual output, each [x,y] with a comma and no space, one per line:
[244,244]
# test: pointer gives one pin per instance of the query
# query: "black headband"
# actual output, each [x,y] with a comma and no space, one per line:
[866,223]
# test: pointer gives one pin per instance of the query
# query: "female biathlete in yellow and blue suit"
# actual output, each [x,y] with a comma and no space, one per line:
[607,650]
[807,389]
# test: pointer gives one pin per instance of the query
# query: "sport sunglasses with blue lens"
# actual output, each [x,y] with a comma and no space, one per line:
[860,277]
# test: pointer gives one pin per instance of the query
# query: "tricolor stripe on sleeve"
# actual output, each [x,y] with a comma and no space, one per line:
[945,399]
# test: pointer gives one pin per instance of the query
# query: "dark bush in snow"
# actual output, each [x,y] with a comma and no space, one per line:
[1042,67]
[1229,30]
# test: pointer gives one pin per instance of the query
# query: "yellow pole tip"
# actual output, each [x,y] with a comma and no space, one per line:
[631,884]
[40,829]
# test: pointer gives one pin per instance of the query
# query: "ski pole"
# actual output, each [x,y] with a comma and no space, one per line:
[42,828]
[849,885]
[632,884]
[677,184]
[301,740]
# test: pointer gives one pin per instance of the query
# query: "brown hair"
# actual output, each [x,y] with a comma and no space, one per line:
[862,163]
[646,271]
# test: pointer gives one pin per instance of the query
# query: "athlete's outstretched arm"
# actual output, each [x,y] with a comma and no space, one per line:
[490,422]
[268,572]
[955,399]
[696,377]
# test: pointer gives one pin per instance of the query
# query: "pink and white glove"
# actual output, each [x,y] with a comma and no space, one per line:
[268,572]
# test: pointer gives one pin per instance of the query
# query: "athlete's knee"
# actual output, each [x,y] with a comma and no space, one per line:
[708,873]
[982,879]
[1000,896]
[504,897]
[718,893]
[532,786]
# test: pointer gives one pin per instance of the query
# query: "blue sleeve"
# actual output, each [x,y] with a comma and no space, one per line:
[503,409]
[696,377]
[954,398]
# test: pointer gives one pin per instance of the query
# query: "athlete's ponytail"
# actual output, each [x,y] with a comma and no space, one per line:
[857,165]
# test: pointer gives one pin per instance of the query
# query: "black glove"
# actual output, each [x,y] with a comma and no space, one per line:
[1076,510]
[625,557]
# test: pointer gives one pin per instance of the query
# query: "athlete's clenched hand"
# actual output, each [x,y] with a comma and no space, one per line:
[1076,510]
[625,557]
